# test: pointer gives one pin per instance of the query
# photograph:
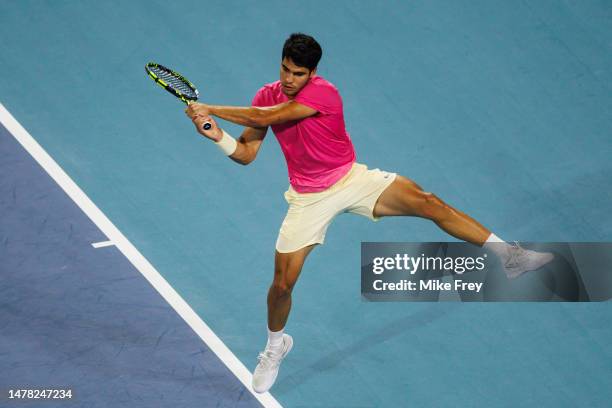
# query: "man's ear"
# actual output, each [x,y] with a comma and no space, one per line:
[312,73]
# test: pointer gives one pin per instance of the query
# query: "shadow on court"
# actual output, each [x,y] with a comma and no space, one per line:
[377,336]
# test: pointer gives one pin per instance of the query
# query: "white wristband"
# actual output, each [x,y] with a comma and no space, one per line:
[227,144]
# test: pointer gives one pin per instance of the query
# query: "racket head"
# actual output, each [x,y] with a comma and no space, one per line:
[172,82]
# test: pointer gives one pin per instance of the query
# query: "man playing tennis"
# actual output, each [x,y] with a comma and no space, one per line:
[306,115]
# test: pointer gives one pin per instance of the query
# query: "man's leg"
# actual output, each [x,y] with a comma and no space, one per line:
[405,197]
[287,268]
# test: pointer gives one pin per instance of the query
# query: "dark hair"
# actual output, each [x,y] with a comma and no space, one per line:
[303,50]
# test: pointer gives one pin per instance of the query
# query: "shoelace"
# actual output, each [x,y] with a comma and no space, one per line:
[267,358]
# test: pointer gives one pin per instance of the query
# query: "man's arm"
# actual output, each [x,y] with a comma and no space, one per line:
[248,145]
[254,117]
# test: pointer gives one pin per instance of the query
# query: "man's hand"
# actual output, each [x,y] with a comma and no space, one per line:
[195,108]
[214,133]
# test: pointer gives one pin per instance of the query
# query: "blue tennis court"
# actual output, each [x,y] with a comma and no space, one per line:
[135,259]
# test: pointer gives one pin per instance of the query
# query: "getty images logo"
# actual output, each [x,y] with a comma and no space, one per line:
[414,264]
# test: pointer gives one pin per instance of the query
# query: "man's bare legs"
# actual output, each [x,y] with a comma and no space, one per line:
[405,197]
[287,268]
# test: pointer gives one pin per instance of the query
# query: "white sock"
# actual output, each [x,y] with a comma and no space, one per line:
[275,339]
[498,246]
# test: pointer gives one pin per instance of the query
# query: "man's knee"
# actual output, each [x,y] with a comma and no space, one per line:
[284,280]
[433,207]
[281,289]
[287,268]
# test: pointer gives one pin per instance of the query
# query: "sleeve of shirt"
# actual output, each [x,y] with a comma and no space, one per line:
[259,98]
[321,97]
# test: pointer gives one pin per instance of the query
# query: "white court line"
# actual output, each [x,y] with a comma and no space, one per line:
[102,244]
[134,256]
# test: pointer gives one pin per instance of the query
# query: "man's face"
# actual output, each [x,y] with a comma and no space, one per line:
[293,78]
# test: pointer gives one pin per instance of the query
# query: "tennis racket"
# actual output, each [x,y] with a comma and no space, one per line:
[174,83]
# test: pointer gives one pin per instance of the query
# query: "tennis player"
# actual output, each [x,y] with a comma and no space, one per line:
[306,115]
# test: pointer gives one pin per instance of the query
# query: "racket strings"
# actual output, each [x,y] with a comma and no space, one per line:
[175,81]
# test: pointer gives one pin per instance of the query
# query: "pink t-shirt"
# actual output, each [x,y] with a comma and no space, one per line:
[318,150]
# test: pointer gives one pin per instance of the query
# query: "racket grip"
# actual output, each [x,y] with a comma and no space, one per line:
[207,126]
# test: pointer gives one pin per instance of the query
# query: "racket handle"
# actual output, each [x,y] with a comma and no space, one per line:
[207,126]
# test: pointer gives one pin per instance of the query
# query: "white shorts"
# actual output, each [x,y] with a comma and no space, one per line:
[310,214]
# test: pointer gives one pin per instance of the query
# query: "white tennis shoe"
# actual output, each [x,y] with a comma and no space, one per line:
[269,362]
[520,260]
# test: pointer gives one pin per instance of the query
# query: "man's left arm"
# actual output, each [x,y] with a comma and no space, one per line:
[254,116]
